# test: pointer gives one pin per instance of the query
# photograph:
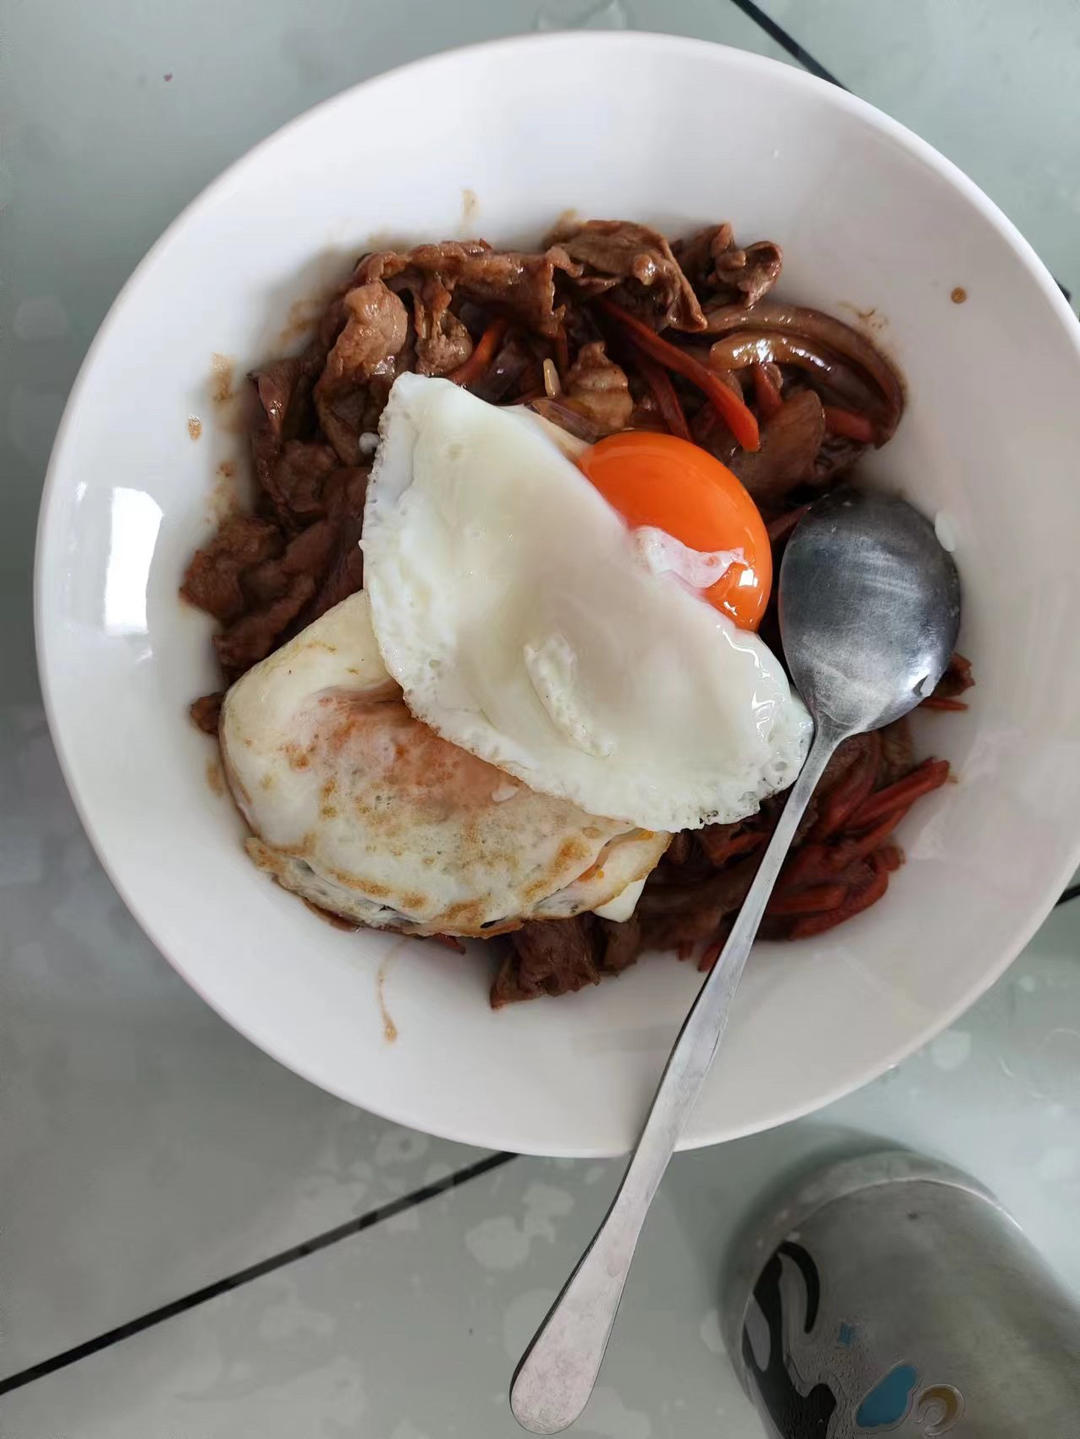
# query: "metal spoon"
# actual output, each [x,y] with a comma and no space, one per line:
[869,612]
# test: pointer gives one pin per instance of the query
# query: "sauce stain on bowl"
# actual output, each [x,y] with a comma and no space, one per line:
[390,1029]
[221,379]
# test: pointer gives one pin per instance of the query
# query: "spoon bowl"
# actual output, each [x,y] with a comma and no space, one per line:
[869,608]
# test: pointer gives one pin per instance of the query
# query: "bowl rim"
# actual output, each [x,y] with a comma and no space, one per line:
[603,43]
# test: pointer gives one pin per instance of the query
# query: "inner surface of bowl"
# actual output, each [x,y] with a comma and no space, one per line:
[877,229]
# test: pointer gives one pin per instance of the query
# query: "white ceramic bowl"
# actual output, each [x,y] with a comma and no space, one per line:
[499,140]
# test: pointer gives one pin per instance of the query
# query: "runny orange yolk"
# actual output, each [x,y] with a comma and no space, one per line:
[672,485]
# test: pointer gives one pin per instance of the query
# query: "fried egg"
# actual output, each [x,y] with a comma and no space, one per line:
[365,811]
[532,625]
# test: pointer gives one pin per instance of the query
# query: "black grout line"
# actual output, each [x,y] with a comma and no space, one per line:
[253,1271]
[1073,892]
[785,41]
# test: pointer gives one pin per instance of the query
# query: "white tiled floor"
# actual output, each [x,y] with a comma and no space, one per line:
[145,1149]
[148,1150]
[411,1328]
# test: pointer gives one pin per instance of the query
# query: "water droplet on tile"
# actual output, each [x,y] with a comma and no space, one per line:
[607,1415]
[498,1243]
[400,1146]
[951,1049]
[1028,983]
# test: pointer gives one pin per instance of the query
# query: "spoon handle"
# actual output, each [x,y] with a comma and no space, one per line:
[557,1373]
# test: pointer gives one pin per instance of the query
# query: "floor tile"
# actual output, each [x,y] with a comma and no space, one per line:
[147,1148]
[410,1330]
[991,83]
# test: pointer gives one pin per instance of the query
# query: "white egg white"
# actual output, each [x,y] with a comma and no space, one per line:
[526,624]
[365,811]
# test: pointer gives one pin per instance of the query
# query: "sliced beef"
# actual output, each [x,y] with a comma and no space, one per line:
[547,956]
[344,573]
[375,329]
[295,479]
[285,413]
[518,285]
[622,943]
[206,711]
[283,389]
[252,637]
[307,554]
[676,915]
[212,580]
[790,443]
[352,389]
[597,388]
[443,341]
[724,273]
[749,274]
[636,262]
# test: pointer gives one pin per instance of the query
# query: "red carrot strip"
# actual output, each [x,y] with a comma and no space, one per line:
[735,414]
[891,856]
[849,424]
[930,775]
[814,899]
[719,851]
[483,353]
[852,848]
[769,398]
[667,401]
[844,798]
[808,865]
[863,898]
